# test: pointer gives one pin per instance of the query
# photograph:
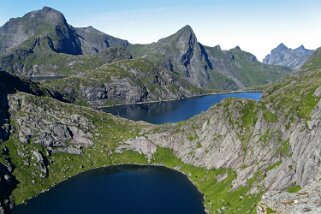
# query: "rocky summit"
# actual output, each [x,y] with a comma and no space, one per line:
[293,58]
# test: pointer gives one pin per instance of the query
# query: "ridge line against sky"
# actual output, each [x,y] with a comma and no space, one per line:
[255,26]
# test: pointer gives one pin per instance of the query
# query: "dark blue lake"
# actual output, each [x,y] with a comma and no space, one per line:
[120,190]
[174,111]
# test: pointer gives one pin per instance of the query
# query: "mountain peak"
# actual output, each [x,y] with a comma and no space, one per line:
[186,31]
[281,46]
[301,47]
[293,58]
[237,48]
[183,36]
[187,28]
[49,9]
[47,14]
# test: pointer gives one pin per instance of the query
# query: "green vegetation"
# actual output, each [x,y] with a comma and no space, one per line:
[269,116]
[251,72]
[270,211]
[284,149]
[294,98]
[314,62]
[294,189]
[275,165]
[218,196]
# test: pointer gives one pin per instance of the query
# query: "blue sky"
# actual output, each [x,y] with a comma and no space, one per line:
[256,26]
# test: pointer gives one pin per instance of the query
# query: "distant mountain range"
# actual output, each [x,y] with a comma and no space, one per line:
[293,58]
[43,43]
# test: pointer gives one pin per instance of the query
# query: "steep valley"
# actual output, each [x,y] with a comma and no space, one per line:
[240,148]
[244,156]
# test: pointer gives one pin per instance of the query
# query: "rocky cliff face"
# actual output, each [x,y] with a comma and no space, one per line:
[43,43]
[186,56]
[128,81]
[293,58]
[94,42]
[69,133]
[275,142]
[62,37]
[46,22]
[207,67]
[307,200]
[8,85]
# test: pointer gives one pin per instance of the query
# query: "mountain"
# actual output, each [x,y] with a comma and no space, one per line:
[314,62]
[179,53]
[50,25]
[43,43]
[207,67]
[293,58]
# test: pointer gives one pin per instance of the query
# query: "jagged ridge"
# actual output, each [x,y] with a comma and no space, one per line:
[293,58]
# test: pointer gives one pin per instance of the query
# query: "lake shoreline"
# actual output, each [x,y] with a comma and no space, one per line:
[124,165]
[177,99]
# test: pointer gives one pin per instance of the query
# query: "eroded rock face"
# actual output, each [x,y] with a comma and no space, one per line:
[220,139]
[307,200]
[140,145]
[40,122]
[125,82]
[42,165]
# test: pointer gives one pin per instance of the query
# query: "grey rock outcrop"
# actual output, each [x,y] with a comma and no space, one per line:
[124,82]
[140,145]
[94,41]
[293,58]
[307,200]
[41,164]
[219,139]
[39,122]
[189,56]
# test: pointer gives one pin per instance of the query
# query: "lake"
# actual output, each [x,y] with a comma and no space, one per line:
[126,189]
[174,111]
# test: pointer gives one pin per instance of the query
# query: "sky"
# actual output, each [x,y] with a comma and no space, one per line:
[257,26]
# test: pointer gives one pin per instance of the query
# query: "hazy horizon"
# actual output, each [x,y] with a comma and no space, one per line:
[255,26]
